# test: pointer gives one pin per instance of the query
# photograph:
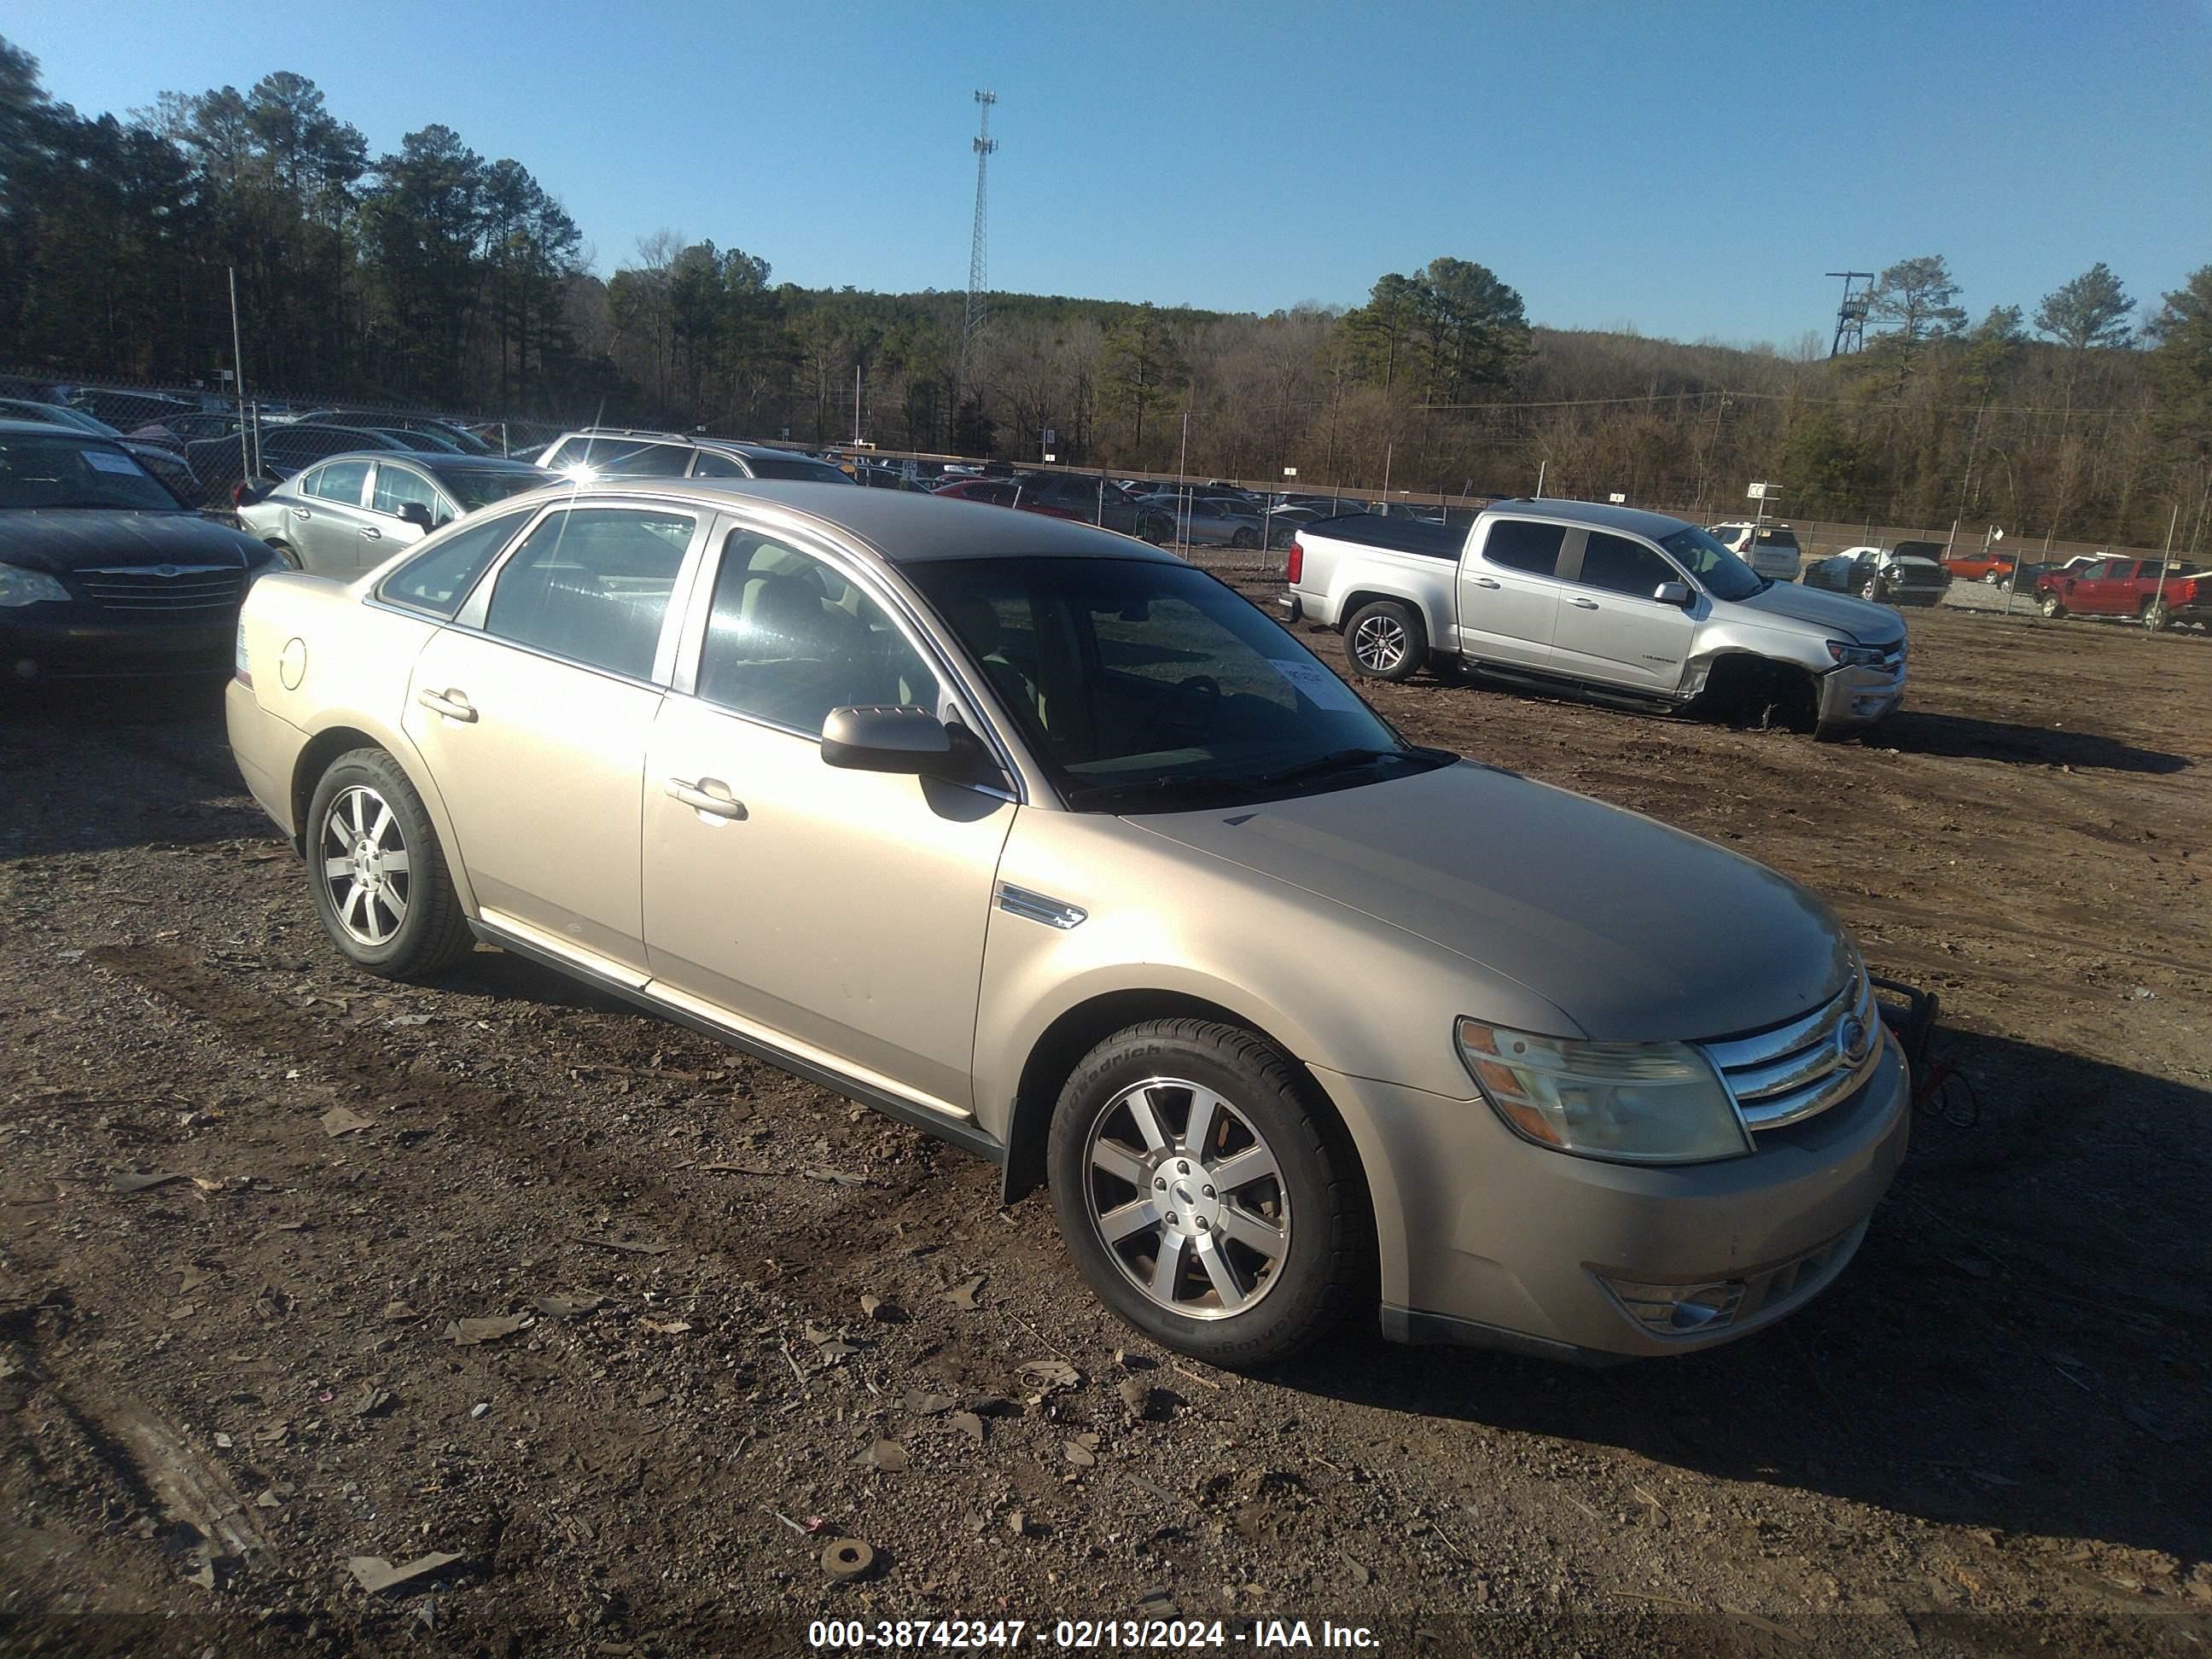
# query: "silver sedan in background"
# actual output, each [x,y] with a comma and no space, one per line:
[346,515]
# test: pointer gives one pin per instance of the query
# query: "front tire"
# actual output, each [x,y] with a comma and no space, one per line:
[1385,639]
[2052,606]
[380,880]
[1871,590]
[1207,1194]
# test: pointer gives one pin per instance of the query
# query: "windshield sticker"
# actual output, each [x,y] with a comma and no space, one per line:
[107,460]
[1320,687]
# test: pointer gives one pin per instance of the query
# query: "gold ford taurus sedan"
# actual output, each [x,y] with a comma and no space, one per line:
[1038,838]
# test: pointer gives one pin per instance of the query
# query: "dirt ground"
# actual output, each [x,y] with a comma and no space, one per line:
[218,1390]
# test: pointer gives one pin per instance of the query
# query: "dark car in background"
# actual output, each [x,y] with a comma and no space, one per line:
[1095,501]
[601,453]
[283,449]
[443,435]
[346,515]
[103,572]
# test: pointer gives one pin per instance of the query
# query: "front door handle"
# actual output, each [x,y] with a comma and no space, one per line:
[450,703]
[709,795]
[302,512]
[1485,581]
[372,534]
[1584,604]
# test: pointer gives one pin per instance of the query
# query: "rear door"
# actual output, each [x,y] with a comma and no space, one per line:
[1611,630]
[1508,593]
[532,711]
[327,519]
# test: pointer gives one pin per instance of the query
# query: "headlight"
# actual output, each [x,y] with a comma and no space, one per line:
[1857,656]
[20,587]
[1632,1103]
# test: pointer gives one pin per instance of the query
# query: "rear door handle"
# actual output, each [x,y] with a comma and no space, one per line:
[450,703]
[1485,581]
[372,534]
[1584,604]
[709,795]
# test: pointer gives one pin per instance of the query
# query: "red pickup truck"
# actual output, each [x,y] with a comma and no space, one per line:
[2157,590]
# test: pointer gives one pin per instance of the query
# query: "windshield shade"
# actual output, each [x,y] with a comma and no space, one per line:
[1718,571]
[1129,670]
[64,470]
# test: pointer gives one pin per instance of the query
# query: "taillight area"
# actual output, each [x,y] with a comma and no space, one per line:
[1296,567]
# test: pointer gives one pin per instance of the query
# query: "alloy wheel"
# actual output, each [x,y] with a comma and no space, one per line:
[1187,1197]
[1379,642]
[365,865]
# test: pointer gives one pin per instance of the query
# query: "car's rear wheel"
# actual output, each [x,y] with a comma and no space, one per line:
[2157,615]
[1989,578]
[1244,539]
[2052,606]
[380,884]
[290,558]
[1385,639]
[1209,1196]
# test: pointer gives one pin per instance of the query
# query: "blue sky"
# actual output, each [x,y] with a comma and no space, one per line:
[1686,167]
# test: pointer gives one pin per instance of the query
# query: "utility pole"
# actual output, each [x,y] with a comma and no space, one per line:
[2158,603]
[238,382]
[978,246]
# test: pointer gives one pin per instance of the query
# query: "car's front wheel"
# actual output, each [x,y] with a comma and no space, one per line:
[2052,606]
[1209,1196]
[379,879]
[1871,589]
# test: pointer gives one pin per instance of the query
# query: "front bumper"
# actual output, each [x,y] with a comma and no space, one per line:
[1487,1239]
[78,641]
[1860,696]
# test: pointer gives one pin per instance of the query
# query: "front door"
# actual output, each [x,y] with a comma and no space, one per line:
[1508,593]
[839,914]
[1611,630]
[534,725]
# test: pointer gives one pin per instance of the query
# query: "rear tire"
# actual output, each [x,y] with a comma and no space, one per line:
[1209,1197]
[380,880]
[291,559]
[1385,639]
[1245,539]
[2156,615]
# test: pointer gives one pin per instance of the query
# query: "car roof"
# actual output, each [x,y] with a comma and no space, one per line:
[1601,515]
[444,461]
[53,429]
[901,526]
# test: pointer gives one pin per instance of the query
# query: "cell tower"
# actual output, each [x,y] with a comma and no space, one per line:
[1851,315]
[977,249]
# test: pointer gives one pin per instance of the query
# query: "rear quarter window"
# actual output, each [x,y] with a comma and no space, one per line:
[439,578]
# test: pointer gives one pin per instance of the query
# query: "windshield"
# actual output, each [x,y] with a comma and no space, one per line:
[64,470]
[473,490]
[1718,571]
[1142,681]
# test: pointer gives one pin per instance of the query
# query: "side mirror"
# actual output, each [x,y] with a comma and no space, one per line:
[415,513]
[889,739]
[1676,594]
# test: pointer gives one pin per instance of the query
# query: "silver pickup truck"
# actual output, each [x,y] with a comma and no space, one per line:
[1610,601]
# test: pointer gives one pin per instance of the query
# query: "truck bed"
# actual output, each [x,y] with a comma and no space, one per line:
[1432,541]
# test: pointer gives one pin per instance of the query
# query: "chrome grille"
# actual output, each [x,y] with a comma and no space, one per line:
[162,586]
[1799,1070]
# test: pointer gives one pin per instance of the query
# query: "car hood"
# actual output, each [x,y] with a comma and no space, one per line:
[56,539]
[1838,613]
[1635,931]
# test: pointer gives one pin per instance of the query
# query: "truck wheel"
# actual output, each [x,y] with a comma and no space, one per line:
[1385,639]
[1208,1198]
[1871,589]
[378,877]
[2051,607]
[2157,615]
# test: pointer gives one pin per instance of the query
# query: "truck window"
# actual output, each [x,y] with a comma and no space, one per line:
[1524,544]
[1620,566]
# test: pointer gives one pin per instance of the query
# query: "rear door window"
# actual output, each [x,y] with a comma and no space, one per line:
[713,465]
[592,584]
[340,481]
[1524,544]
